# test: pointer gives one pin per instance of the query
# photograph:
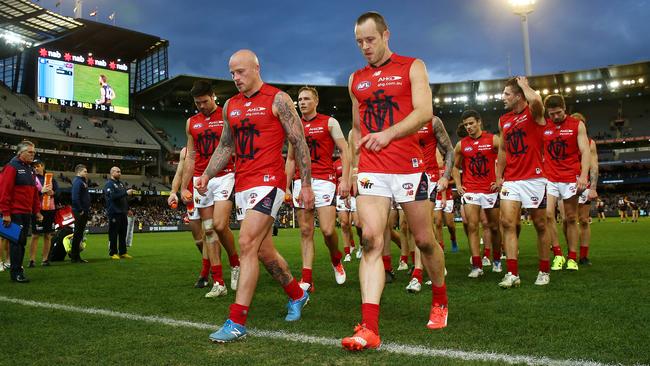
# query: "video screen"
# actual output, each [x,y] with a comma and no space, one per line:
[82,82]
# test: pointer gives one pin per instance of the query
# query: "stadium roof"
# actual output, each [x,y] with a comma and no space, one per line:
[108,41]
[25,24]
[175,92]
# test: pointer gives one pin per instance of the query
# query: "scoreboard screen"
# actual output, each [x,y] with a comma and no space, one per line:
[82,81]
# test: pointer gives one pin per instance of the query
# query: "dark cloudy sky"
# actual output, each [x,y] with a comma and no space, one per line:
[313,42]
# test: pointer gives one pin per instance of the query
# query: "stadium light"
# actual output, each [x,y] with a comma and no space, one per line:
[523,8]
[640,80]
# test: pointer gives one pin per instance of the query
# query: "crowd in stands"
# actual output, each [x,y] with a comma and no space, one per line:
[641,198]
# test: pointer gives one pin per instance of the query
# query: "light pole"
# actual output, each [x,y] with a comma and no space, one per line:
[523,8]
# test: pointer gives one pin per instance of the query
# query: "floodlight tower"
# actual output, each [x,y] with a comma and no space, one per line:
[523,8]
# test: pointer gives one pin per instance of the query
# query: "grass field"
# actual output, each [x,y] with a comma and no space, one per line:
[86,85]
[600,313]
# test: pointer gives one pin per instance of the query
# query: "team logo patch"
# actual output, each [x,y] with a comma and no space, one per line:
[366,183]
[415,162]
[235,113]
[407,185]
[363,85]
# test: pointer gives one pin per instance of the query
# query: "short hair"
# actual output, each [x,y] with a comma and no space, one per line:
[579,116]
[103,77]
[380,22]
[23,145]
[200,88]
[512,83]
[309,89]
[554,101]
[461,131]
[79,168]
[469,114]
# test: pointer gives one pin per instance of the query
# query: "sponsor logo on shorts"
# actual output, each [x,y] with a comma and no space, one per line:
[363,85]
[505,192]
[267,203]
[326,197]
[366,183]
[235,113]
[407,185]
[534,198]
[468,198]
[490,200]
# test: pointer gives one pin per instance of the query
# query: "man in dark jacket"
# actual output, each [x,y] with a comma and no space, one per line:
[117,207]
[19,199]
[80,210]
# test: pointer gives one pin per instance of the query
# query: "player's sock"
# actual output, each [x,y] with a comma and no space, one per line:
[544,266]
[346,250]
[512,266]
[497,255]
[238,313]
[477,262]
[573,255]
[336,258]
[387,265]
[370,316]
[293,290]
[439,295]
[486,252]
[412,254]
[306,275]
[217,274]
[584,252]
[233,260]
[404,258]
[205,267]
[557,251]
[417,273]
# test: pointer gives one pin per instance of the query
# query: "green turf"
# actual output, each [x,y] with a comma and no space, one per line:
[600,313]
[87,88]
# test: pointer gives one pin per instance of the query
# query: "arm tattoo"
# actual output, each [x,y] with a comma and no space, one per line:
[444,145]
[295,133]
[223,153]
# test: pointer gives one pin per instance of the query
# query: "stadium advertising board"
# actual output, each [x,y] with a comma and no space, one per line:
[74,80]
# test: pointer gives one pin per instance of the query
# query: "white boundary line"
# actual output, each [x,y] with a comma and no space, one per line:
[404,349]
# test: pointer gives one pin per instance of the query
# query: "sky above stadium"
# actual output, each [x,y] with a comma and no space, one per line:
[312,42]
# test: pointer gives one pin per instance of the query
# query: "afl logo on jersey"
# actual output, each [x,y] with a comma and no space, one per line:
[548,132]
[235,113]
[197,125]
[363,85]
[507,125]
[468,149]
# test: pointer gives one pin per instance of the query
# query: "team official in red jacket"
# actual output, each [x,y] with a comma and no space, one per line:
[19,199]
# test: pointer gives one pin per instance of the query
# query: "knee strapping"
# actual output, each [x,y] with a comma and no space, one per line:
[208,227]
